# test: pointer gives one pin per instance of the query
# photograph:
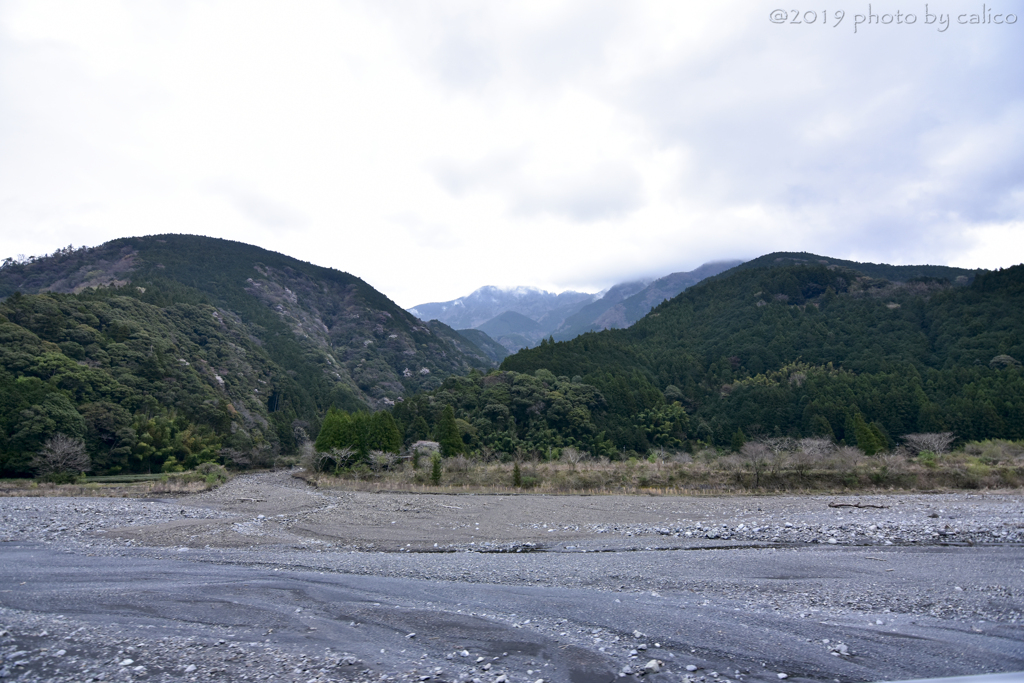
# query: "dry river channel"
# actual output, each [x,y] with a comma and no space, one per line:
[266,578]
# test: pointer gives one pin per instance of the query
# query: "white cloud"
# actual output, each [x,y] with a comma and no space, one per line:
[434,147]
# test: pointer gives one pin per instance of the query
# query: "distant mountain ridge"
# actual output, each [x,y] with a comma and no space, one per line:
[475,309]
[540,314]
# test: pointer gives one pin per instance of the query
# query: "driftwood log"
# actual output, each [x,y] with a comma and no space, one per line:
[856,505]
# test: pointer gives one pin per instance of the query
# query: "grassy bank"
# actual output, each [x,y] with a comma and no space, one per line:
[123,486]
[985,465]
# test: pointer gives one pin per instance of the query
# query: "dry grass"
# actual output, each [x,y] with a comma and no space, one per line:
[168,485]
[986,465]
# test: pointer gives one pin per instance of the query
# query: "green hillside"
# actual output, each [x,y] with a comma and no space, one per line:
[495,351]
[144,327]
[812,349]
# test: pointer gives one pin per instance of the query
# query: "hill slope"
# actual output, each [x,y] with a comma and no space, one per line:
[495,351]
[806,349]
[624,304]
[319,337]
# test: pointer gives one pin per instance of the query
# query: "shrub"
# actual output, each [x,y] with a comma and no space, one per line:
[435,469]
[214,473]
[172,465]
[928,459]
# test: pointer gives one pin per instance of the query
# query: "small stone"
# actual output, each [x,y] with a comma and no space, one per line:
[126,662]
[486,667]
[642,646]
[501,679]
[411,635]
[478,659]
[464,653]
[190,668]
[692,667]
[60,653]
[653,666]
[832,541]
[958,589]
[782,675]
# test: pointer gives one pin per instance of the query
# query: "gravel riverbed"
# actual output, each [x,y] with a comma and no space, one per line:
[265,578]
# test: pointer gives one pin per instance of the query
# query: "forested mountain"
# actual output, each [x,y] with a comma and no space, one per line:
[201,341]
[876,270]
[196,348]
[810,349]
[495,351]
[513,330]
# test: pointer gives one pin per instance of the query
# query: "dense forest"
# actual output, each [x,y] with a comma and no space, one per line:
[804,350]
[196,348]
[171,351]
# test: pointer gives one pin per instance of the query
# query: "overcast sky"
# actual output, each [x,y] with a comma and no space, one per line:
[432,148]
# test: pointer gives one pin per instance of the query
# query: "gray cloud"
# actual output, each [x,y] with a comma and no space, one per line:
[603,191]
[855,133]
[259,208]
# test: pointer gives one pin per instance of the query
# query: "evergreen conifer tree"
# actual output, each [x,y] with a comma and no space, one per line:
[448,434]
[420,429]
[332,431]
[384,434]
[435,469]
[738,439]
[866,438]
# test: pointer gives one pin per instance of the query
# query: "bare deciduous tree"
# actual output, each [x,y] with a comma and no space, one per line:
[816,446]
[936,442]
[342,456]
[324,461]
[573,456]
[61,453]
[757,456]
[810,453]
[776,444]
[780,447]
[382,460]
[235,457]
